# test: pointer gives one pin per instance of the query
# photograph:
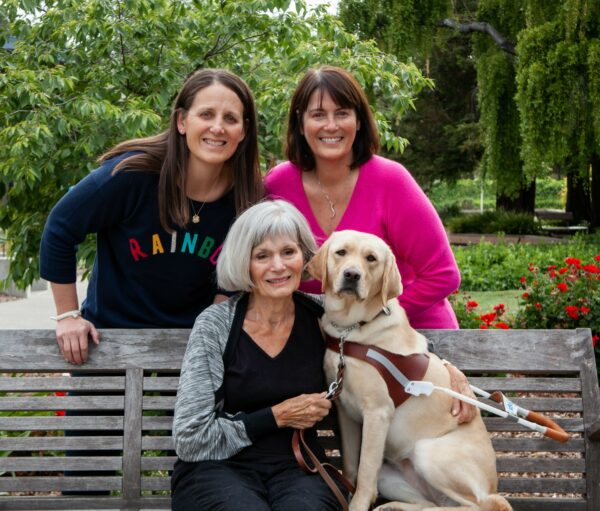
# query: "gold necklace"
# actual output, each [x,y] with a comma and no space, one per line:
[196,215]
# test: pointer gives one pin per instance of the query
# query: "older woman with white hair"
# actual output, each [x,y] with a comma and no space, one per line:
[251,373]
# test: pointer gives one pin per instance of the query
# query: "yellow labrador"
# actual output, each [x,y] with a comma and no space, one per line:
[416,454]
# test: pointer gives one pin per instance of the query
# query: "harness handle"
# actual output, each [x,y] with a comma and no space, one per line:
[553,430]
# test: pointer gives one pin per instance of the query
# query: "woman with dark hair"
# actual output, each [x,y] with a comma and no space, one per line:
[161,207]
[335,178]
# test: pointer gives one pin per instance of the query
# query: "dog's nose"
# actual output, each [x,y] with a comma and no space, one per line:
[351,275]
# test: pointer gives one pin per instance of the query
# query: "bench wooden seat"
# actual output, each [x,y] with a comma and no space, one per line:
[551,371]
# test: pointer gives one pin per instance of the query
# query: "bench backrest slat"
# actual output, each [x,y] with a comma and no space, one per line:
[60,463]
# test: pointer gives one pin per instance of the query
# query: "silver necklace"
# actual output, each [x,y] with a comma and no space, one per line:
[327,197]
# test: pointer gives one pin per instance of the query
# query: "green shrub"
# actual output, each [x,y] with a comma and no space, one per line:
[496,267]
[449,211]
[491,222]
[466,193]
[551,193]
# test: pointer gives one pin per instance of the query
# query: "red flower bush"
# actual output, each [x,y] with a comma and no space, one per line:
[60,413]
[567,299]
[572,311]
[573,261]
[468,315]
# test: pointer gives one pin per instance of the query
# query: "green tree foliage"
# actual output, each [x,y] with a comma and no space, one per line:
[559,95]
[404,28]
[444,133]
[499,113]
[86,74]
[444,137]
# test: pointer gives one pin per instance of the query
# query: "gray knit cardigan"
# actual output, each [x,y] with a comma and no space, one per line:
[201,430]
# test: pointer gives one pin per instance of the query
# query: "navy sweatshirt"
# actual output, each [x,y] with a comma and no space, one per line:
[143,277]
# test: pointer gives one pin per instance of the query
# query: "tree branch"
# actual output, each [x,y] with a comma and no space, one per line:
[224,46]
[480,26]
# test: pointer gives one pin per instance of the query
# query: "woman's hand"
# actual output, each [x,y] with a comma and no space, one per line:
[464,412]
[301,412]
[72,336]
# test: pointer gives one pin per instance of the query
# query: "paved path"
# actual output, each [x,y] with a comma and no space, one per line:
[34,311]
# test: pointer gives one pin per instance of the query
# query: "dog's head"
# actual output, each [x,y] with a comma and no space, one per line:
[358,266]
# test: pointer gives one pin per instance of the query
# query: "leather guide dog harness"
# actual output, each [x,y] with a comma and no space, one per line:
[396,370]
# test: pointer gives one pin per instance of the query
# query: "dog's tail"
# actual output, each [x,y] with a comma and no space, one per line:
[495,503]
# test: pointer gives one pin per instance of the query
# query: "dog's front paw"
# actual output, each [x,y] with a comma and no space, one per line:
[361,501]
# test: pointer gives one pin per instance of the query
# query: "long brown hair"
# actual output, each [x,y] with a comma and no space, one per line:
[167,153]
[345,92]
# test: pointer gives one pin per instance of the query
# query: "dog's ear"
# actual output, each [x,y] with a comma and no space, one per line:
[317,266]
[392,284]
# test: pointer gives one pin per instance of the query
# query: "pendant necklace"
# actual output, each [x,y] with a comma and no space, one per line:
[327,196]
[196,214]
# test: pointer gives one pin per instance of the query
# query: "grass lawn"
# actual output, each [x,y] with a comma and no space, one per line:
[487,300]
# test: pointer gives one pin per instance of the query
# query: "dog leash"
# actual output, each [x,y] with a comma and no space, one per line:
[511,411]
[326,470]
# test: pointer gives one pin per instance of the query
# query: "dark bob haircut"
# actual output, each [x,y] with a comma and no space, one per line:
[345,92]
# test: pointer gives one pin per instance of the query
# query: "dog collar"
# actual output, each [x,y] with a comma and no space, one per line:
[344,331]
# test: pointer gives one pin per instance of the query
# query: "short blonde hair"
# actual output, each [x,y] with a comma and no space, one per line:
[267,219]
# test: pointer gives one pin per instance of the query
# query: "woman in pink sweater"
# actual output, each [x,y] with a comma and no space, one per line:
[335,178]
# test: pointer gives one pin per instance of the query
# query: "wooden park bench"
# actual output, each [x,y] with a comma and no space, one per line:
[550,371]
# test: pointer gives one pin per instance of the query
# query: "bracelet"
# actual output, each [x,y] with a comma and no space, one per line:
[69,314]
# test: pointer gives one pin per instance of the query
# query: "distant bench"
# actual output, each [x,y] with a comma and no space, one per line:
[554,214]
[552,371]
[564,229]
[559,230]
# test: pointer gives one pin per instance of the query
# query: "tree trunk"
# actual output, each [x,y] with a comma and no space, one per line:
[578,197]
[595,191]
[524,202]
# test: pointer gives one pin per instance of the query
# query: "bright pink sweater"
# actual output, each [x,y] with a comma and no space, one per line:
[388,202]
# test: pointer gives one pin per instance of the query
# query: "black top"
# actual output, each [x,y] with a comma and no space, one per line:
[143,276]
[255,381]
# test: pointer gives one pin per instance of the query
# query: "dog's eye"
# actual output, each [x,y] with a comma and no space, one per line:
[341,252]
[371,258]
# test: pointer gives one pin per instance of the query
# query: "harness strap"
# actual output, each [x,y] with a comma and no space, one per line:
[396,370]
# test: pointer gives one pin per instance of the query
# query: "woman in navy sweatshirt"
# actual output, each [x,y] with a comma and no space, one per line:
[160,207]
